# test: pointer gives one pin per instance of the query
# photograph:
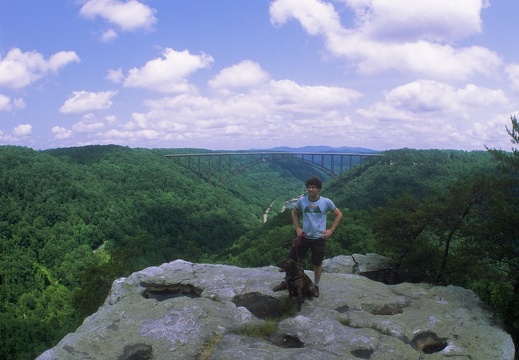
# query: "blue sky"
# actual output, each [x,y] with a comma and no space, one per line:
[254,74]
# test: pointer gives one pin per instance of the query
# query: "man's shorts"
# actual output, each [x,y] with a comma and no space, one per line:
[317,246]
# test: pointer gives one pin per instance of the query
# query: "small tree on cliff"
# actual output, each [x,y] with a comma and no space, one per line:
[510,160]
[502,243]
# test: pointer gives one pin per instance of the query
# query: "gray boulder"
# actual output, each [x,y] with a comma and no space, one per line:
[183,310]
[356,264]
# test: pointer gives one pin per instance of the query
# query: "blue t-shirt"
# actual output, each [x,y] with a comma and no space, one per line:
[314,215]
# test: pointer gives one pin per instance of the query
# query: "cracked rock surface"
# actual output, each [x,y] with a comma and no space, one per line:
[183,310]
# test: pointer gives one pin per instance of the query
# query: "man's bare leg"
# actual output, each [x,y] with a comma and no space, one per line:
[317,277]
[318,270]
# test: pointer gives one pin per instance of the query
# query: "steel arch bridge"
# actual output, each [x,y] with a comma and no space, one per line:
[227,164]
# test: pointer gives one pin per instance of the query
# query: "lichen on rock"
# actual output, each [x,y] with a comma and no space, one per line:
[185,310]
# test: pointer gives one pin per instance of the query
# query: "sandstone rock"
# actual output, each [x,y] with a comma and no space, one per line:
[373,266]
[182,310]
[356,263]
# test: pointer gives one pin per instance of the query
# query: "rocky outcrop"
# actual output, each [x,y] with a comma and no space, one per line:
[183,310]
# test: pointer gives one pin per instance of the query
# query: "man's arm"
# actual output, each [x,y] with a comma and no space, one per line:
[336,221]
[295,220]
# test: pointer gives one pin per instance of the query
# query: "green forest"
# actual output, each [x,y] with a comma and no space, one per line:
[73,220]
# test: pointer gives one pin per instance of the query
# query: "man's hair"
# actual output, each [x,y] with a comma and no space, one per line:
[314,181]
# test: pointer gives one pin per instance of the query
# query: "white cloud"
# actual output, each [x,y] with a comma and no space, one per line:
[19,69]
[111,119]
[19,103]
[109,35]
[5,103]
[22,130]
[274,111]
[245,75]
[60,59]
[115,76]
[90,127]
[128,15]
[513,76]
[169,73]
[84,101]
[432,114]
[291,96]
[398,35]
[426,96]
[88,124]
[7,138]
[316,17]
[131,135]
[60,133]
[403,20]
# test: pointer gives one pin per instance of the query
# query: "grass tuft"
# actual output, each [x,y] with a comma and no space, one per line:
[208,347]
[262,331]
[288,306]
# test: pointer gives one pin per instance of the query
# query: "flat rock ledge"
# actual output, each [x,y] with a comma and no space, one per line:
[184,310]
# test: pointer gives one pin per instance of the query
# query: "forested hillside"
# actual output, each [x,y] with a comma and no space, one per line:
[444,217]
[73,220]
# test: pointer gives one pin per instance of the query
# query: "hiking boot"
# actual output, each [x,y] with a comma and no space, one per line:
[280,287]
[316,291]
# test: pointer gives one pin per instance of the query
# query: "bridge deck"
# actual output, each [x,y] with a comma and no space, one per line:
[332,163]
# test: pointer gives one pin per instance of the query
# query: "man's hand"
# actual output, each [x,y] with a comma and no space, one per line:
[300,232]
[338,216]
[327,233]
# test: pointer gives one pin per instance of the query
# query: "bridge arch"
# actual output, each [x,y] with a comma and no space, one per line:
[336,165]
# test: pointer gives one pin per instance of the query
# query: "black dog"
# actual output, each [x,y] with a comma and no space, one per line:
[297,282]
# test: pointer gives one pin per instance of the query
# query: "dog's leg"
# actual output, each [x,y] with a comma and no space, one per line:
[299,298]
[290,287]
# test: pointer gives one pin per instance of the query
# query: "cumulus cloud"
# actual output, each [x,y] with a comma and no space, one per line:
[6,104]
[18,134]
[402,20]
[7,138]
[89,123]
[61,133]
[116,134]
[169,73]
[513,76]
[126,15]
[111,119]
[90,128]
[19,103]
[290,95]
[22,130]
[428,113]
[316,17]
[277,111]
[109,35]
[421,98]
[246,74]
[425,96]
[84,101]
[115,76]
[19,69]
[415,36]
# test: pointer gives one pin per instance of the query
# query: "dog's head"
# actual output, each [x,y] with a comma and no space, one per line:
[289,266]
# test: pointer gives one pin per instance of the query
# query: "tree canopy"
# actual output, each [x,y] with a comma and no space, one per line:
[75,219]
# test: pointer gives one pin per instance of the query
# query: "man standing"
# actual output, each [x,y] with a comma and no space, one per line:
[313,234]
